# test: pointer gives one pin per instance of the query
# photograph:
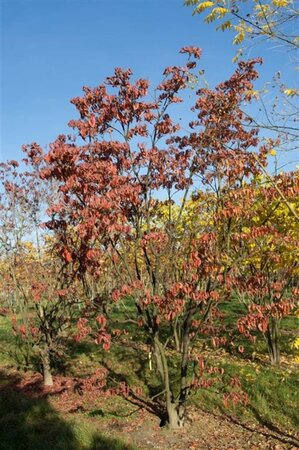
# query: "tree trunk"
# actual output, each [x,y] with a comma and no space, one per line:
[174,419]
[158,360]
[272,336]
[176,335]
[47,375]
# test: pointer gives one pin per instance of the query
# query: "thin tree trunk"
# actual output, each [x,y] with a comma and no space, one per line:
[176,336]
[47,374]
[184,370]
[173,418]
[184,366]
[159,362]
[272,336]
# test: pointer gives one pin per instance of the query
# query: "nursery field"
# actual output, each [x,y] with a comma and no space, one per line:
[67,417]
[149,253]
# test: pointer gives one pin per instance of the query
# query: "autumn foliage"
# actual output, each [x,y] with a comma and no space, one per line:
[175,222]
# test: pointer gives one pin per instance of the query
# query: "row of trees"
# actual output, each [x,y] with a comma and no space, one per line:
[140,211]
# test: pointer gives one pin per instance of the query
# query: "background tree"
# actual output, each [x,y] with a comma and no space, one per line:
[266,246]
[32,278]
[274,20]
[253,23]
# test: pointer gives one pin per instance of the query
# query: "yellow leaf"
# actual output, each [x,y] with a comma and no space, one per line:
[225,26]
[245,229]
[261,7]
[272,152]
[291,92]
[237,55]
[202,6]
[211,17]
[280,3]
[239,38]
[220,12]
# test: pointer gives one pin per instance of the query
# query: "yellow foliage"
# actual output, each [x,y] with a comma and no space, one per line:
[202,6]
[225,25]
[291,92]
[254,93]
[245,229]
[239,38]
[281,3]
[262,9]
[220,12]
[242,30]
[266,28]
[211,17]
[237,55]
[295,344]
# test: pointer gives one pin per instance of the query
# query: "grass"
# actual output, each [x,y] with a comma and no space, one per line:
[30,424]
[7,341]
[273,395]
[27,423]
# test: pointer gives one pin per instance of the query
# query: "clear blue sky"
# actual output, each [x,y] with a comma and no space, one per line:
[51,48]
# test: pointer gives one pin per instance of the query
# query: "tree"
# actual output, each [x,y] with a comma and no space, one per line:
[254,22]
[271,20]
[261,257]
[106,217]
[40,302]
[266,247]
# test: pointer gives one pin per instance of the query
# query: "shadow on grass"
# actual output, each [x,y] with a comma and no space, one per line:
[32,424]
[101,442]
[151,405]
[282,434]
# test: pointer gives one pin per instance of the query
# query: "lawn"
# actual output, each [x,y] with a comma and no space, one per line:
[66,419]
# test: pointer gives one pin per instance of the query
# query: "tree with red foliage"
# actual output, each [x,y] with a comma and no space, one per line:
[38,297]
[128,151]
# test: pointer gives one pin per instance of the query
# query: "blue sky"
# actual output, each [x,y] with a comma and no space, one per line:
[51,48]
